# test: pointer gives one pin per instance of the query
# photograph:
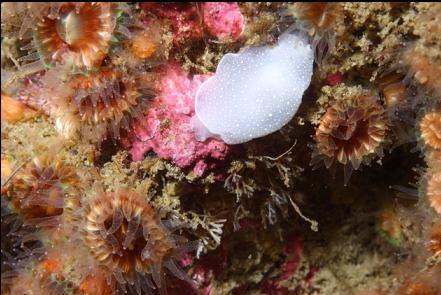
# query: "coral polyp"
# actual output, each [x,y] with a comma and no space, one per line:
[320,20]
[434,191]
[104,101]
[430,128]
[145,43]
[351,130]
[125,235]
[104,96]
[43,188]
[78,33]
[424,70]
[39,279]
[319,16]
[96,284]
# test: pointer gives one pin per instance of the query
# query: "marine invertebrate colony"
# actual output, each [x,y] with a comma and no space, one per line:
[254,93]
[351,130]
[86,214]
[126,237]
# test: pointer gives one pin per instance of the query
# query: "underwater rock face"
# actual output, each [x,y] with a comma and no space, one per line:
[255,92]
[106,190]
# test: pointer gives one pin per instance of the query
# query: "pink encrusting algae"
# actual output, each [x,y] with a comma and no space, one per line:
[188,20]
[166,128]
[223,19]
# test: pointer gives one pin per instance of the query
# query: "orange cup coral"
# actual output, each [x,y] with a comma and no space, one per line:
[351,130]
[144,44]
[320,20]
[99,104]
[39,190]
[430,128]
[124,234]
[39,278]
[434,191]
[424,70]
[81,33]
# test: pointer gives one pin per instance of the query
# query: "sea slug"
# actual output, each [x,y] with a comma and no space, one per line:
[255,92]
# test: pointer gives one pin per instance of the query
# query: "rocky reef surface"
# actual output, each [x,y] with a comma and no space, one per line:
[106,188]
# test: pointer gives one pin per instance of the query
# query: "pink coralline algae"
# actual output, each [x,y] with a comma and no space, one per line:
[334,78]
[188,20]
[166,129]
[223,19]
[293,251]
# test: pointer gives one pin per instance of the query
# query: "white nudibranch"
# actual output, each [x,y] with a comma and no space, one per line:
[255,92]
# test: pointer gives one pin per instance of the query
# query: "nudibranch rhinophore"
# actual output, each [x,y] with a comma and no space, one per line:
[255,92]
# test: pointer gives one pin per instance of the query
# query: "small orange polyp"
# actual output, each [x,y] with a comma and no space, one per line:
[143,46]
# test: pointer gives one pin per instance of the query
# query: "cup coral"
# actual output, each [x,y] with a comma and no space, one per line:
[109,98]
[319,20]
[424,70]
[319,16]
[79,34]
[39,278]
[351,130]
[434,191]
[125,235]
[145,43]
[430,128]
[83,33]
[101,103]
[43,189]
